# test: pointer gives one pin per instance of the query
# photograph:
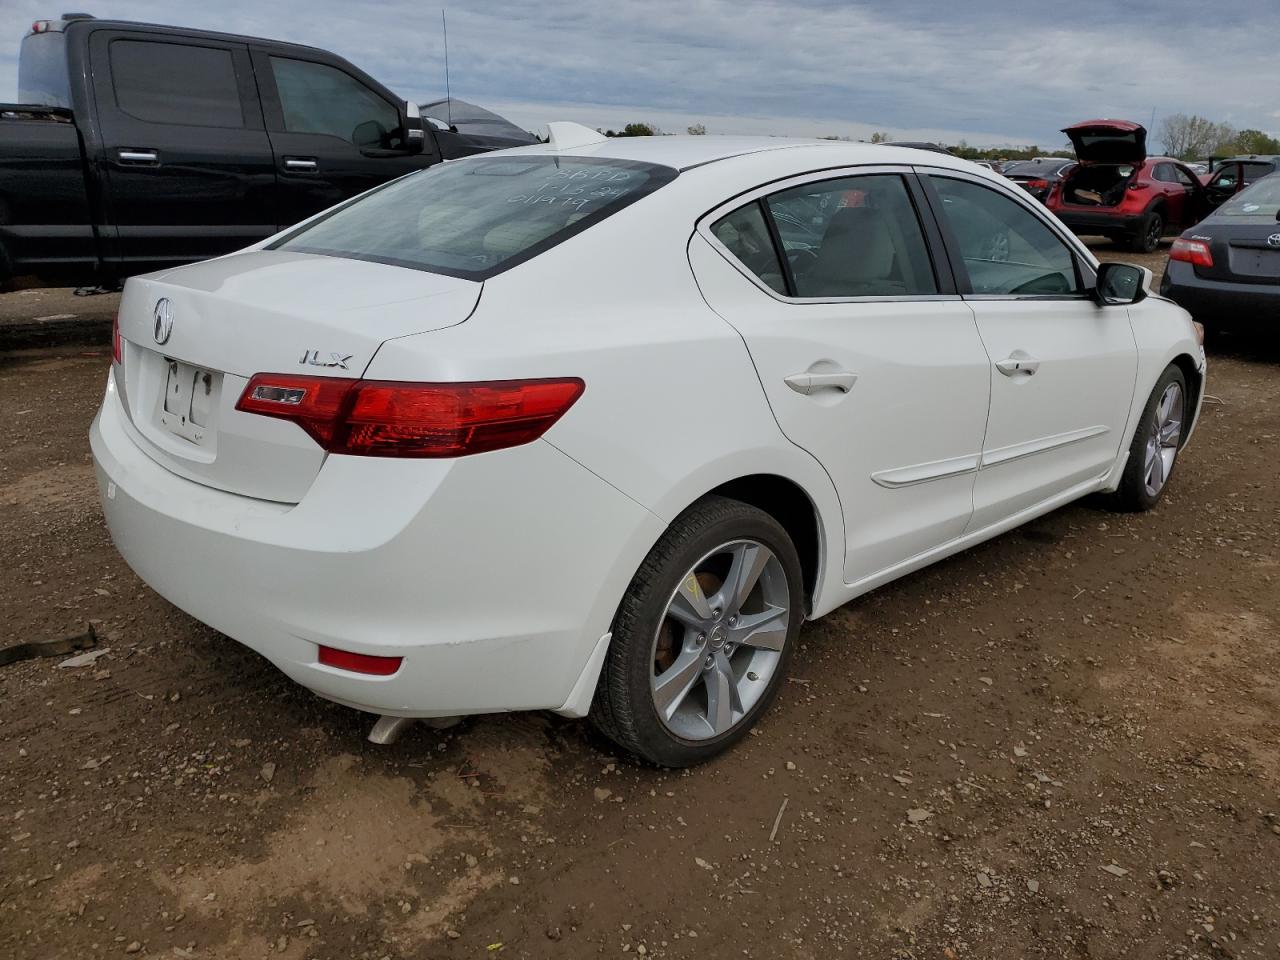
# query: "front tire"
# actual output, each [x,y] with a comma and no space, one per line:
[703,635]
[1156,443]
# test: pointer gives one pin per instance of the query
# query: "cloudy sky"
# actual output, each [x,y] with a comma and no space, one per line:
[989,71]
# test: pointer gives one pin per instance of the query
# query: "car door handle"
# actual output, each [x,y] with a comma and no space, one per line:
[138,156]
[808,383]
[300,164]
[1019,363]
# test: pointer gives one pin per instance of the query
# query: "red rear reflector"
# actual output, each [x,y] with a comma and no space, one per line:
[1195,252]
[360,662]
[117,353]
[381,418]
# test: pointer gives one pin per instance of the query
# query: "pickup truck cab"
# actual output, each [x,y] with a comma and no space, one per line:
[139,147]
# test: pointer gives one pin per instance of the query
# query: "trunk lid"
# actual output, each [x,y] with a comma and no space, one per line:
[1243,252]
[193,337]
[1108,141]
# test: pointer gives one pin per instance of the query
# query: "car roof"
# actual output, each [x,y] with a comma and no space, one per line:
[685,152]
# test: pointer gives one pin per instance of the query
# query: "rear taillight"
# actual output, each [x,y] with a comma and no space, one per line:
[117,350]
[380,418]
[1037,184]
[359,662]
[1194,252]
[1138,185]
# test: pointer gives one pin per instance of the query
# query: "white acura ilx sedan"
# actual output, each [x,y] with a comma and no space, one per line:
[594,426]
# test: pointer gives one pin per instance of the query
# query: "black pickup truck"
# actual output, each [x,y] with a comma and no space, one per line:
[138,147]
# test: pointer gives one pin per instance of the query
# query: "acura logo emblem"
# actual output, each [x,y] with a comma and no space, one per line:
[1273,240]
[163,317]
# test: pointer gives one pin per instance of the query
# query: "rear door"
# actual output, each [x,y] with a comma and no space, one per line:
[1061,370]
[1176,195]
[334,131]
[187,159]
[869,359]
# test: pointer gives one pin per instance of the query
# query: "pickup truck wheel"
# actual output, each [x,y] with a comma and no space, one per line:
[703,635]
[1155,445]
[1147,239]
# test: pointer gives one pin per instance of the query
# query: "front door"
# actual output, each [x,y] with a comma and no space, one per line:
[187,160]
[334,133]
[869,359]
[1062,369]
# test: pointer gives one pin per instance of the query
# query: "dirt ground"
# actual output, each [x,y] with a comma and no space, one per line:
[1064,743]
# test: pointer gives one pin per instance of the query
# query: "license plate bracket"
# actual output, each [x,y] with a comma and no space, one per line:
[187,408]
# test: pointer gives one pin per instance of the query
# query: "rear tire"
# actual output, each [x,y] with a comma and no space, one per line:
[1147,239]
[703,636]
[1156,443]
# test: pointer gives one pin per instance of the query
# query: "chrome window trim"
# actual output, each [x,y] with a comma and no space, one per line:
[703,229]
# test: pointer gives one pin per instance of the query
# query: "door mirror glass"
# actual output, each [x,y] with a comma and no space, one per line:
[1120,284]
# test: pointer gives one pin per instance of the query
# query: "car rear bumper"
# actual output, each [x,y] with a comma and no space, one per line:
[493,576]
[1102,224]
[1221,303]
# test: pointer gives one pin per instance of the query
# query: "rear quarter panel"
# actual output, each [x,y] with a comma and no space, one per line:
[46,222]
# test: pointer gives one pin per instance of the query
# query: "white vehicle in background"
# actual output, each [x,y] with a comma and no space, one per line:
[594,426]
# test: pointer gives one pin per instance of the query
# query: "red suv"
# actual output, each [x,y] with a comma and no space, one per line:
[1117,191]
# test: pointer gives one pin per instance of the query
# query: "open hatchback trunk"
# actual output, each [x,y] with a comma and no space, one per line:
[191,339]
[1110,154]
[1108,141]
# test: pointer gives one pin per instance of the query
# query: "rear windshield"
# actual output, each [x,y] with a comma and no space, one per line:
[1260,200]
[477,217]
[1042,167]
[42,70]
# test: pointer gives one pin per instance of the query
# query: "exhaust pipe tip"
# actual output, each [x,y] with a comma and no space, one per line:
[388,729]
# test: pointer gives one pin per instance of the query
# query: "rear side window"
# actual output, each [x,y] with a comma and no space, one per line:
[477,217]
[1256,171]
[745,234]
[1164,173]
[853,237]
[317,98]
[1007,250]
[176,83]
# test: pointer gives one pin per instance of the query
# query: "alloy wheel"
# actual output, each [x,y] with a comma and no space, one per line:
[1162,440]
[720,640]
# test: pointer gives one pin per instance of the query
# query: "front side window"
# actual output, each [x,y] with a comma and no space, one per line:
[853,237]
[1226,178]
[477,217]
[1007,250]
[176,83]
[317,98]
[745,234]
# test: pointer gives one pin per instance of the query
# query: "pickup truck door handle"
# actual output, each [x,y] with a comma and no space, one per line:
[1019,362]
[300,164]
[138,156]
[809,383]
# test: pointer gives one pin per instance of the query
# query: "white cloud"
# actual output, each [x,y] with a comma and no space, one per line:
[987,70]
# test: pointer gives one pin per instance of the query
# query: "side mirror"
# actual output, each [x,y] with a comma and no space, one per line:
[415,138]
[1119,284]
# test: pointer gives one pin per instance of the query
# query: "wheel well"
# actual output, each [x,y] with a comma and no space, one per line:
[1195,382]
[787,503]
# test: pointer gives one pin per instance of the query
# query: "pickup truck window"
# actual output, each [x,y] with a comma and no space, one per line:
[42,70]
[477,217]
[176,83]
[316,98]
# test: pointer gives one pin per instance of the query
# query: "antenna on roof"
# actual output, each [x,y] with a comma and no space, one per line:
[448,96]
[566,135]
